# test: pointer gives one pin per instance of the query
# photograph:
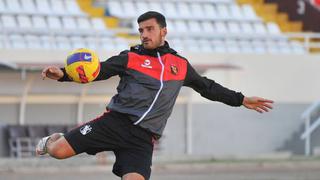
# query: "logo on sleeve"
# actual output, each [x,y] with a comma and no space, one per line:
[85,129]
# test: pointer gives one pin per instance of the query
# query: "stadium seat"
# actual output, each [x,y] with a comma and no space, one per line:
[247,28]
[235,12]
[194,26]
[73,8]
[248,12]
[77,42]
[58,7]
[259,28]
[273,28]
[28,6]
[184,10]
[223,12]
[218,46]
[205,45]
[210,11]
[3,7]
[155,6]
[115,9]
[197,10]
[54,23]
[24,22]
[98,24]
[13,6]
[181,26]
[170,10]
[33,42]
[63,43]
[39,22]
[107,43]
[129,9]
[47,42]
[234,27]
[232,46]
[17,41]
[69,23]
[220,27]
[207,27]
[83,23]
[142,7]
[19,143]
[9,21]
[43,6]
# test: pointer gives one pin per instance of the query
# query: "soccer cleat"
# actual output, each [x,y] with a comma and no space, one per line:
[41,148]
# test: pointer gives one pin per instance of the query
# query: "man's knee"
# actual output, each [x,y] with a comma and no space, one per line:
[60,149]
[133,176]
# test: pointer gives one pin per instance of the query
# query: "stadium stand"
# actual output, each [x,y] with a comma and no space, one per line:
[61,24]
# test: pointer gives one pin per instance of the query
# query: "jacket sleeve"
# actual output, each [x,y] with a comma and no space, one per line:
[210,89]
[115,65]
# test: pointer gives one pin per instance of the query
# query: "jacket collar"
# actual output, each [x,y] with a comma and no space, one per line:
[153,52]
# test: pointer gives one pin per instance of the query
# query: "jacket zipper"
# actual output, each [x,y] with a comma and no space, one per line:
[158,93]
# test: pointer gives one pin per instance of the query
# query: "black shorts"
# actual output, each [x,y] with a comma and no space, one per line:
[113,131]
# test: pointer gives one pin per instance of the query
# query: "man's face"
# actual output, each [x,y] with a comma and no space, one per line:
[151,34]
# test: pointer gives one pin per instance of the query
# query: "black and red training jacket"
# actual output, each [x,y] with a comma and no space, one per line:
[150,81]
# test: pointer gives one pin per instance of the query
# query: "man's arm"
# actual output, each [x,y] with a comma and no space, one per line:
[216,92]
[115,65]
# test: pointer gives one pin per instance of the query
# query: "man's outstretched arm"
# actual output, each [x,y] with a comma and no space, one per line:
[216,92]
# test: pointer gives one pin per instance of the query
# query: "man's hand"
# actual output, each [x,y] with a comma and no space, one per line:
[258,104]
[52,72]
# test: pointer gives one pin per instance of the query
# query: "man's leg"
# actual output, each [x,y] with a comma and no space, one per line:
[132,176]
[56,146]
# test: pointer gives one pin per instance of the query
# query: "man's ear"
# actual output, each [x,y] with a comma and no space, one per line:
[164,31]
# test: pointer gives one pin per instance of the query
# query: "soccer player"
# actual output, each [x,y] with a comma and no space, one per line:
[151,76]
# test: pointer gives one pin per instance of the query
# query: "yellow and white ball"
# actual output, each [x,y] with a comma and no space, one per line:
[82,65]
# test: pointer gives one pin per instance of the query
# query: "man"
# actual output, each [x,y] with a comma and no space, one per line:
[151,75]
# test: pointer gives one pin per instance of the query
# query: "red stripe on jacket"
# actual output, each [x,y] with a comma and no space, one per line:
[175,67]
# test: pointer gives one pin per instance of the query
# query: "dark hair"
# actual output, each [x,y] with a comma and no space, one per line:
[161,20]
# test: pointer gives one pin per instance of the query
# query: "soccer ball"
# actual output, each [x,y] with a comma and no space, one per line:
[82,65]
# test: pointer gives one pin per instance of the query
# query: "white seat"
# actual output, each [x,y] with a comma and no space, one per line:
[13,6]
[247,28]
[259,47]
[77,42]
[58,7]
[205,45]
[218,46]
[63,43]
[92,42]
[28,6]
[17,41]
[197,10]
[170,10]
[69,23]
[245,46]
[47,42]
[107,44]
[171,26]
[223,11]
[220,27]
[73,8]
[83,23]
[284,46]
[207,27]
[155,6]
[273,28]
[235,11]
[248,12]
[39,22]
[98,24]
[272,47]
[129,9]
[8,21]
[194,26]
[234,27]
[184,10]
[297,47]
[54,22]
[142,7]
[181,26]
[43,6]
[232,46]
[3,7]
[191,45]
[259,28]
[33,42]
[24,21]
[115,8]
[209,11]
[177,44]
[121,44]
